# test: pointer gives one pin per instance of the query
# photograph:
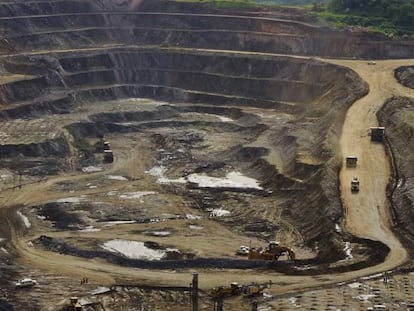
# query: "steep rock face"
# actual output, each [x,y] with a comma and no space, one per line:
[276,79]
[316,94]
[398,118]
[56,147]
[79,24]
[405,75]
[22,90]
[79,54]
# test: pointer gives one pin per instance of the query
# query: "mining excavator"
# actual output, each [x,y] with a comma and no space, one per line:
[272,252]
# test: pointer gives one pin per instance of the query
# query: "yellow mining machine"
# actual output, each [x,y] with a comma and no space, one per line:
[255,289]
[233,289]
[74,305]
[272,252]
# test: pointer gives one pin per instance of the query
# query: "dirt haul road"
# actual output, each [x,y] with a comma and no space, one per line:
[367,213]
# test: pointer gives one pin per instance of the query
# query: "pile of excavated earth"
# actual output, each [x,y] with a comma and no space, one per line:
[143,141]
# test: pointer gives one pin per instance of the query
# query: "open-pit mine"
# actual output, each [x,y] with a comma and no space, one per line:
[148,144]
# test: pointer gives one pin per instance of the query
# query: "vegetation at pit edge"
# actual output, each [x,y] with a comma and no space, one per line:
[226,3]
[391,17]
[291,2]
[256,3]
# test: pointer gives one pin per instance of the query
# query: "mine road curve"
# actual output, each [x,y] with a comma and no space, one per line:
[367,213]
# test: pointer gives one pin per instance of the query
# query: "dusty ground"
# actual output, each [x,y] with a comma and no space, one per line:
[61,203]
[83,186]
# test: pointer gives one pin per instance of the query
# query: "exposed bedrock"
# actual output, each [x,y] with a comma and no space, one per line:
[77,24]
[405,75]
[181,75]
[286,113]
[22,90]
[54,147]
[313,94]
[236,75]
[39,107]
[397,116]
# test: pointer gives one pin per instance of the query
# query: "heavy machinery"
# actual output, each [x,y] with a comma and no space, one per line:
[377,133]
[255,289]
[351,161]
[25,283]
[108,156]
[106,145]
[74,305]
[243,251]
[355,184]
[272,252]
[233,289]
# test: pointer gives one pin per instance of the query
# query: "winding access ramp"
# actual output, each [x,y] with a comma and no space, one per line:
[367,214]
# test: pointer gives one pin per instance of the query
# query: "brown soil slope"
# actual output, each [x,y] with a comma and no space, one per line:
[397,117]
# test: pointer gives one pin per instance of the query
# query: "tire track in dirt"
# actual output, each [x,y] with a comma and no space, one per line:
[370,205]
[367,213]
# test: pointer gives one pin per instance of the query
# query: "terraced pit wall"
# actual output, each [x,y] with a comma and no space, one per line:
[145,51]
[303,89]
[81,24]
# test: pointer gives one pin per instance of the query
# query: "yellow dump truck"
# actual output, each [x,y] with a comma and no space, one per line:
[272,252]
[233,289]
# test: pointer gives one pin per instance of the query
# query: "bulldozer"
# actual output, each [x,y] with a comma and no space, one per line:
[74,305]
[233,289]
[272,252]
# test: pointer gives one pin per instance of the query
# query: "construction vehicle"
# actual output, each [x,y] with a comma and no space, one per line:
[377,133]
[355,184]
[250,290]
[106,145]
[255,289]
[243,251]
[25,283]
[102,145]
[351,161]
[233,289]
[108,156]
[272,252]
[74,305]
